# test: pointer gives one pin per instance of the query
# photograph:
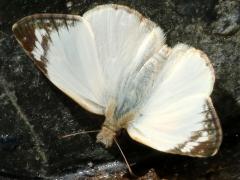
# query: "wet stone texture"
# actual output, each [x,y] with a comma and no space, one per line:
[34,113]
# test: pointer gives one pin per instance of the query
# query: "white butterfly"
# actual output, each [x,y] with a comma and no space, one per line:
[114,62]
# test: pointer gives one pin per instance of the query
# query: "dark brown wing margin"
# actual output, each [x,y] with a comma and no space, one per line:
[212,127]
[24,31]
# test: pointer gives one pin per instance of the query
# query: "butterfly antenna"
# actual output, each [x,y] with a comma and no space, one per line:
[77,133]
[125,159]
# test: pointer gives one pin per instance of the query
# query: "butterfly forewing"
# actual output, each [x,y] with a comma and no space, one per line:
[63,48]
[125,41]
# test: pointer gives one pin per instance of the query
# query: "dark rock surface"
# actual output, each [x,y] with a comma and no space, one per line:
[33,113]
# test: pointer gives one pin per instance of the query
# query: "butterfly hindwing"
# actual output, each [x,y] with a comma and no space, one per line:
[179,117]
[204,142]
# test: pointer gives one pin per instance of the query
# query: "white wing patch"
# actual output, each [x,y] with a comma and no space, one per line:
[179,116]
[125,41]
[63,47]
[136,90]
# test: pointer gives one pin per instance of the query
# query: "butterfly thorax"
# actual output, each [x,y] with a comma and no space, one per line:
[131,94]
[113,124]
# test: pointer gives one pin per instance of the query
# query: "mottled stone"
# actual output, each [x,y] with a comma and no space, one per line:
[228,17]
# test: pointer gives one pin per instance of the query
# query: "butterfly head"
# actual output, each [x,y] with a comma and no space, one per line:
[113,124]
[106,136]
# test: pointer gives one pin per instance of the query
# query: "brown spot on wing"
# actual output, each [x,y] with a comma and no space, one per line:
[206,148]
[25,30]
[25,36]
[42,66]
